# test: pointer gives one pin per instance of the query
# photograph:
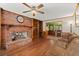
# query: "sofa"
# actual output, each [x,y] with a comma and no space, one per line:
[66,45]
[66,39]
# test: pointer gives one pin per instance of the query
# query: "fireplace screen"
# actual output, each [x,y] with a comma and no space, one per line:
[18,35]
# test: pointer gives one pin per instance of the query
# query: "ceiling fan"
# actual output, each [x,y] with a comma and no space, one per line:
[34,9]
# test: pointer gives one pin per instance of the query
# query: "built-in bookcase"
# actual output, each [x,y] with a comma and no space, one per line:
[37,29]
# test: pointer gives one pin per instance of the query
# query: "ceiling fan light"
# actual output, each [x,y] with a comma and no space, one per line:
[34,12]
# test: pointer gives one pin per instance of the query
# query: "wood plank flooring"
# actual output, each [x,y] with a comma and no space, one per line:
[41,47]
[38,48]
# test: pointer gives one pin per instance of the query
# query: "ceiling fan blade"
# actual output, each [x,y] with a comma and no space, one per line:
[41,12]
[27,5]
[27,11]
[40,6]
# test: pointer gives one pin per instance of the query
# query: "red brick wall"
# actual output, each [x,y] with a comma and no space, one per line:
[0,28]
[9,18]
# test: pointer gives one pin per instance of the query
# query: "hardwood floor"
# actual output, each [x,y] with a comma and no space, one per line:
[42,47]
[38,48]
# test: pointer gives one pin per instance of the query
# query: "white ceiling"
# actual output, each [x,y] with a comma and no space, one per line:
[52,10]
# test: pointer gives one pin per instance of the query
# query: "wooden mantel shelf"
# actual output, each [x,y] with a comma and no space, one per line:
[12,25]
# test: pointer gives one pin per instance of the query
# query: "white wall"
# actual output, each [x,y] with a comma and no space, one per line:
[66,21]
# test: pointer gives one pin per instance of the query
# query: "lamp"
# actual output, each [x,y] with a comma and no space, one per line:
[70,23]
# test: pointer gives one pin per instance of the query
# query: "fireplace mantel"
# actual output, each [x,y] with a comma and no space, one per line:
[11,25]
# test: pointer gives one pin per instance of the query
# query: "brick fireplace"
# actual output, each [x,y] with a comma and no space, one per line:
[18,30]
[13,33]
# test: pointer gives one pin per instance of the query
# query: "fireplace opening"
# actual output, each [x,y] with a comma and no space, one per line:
[18,35]
[13,39]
